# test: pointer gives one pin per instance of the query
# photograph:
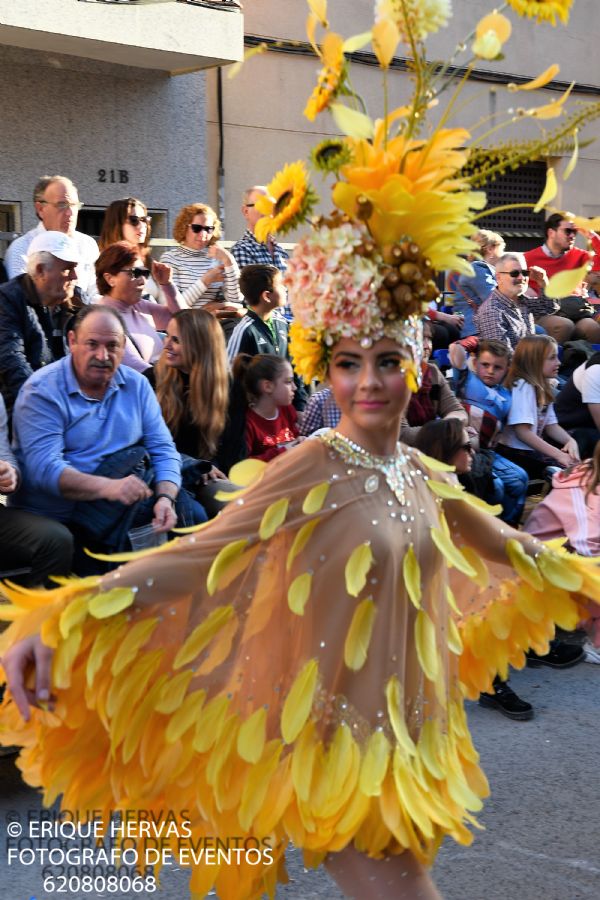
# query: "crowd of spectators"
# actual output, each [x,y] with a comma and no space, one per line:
[130,385]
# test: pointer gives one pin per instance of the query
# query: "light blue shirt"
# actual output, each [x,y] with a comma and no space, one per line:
[56,426]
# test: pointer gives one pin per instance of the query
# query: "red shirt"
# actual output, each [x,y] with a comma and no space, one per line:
[264,437]
[572,259]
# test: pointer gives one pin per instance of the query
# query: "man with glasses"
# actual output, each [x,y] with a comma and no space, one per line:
[249,251]
[559,254]
[509,314]
[57,204]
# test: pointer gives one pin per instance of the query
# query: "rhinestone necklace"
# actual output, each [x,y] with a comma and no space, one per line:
[393,468]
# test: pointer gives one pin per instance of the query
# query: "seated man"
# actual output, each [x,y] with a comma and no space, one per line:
[35,310]
[29,542]
[88,430]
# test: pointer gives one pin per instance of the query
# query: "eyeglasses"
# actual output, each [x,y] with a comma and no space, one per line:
[198,228]
[569,231]
[136,272]
[62,205]
[135,220]
[514,273]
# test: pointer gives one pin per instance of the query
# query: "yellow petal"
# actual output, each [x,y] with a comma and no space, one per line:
[497,23]
[394,693]
[303,760]
[385,40]
[299,592]
[558,571]
[210,723]
[452,600]
[435,465]
[539,82]
[135,639]
[351,122]
[523,564]
[73,614]
[300,541]
[357,568]
[222,560]
[570,167]
[111,602]
[550,110]
[311,26]
[564,283]
[251,736]
[247,472]
[173,692]
[202,635]
[452,554]
[64,658]
[109,634]
[411,572]
[185,717]
[319,9]
[299,701]
[315,498]
[428,747]
[357,42]
[454,640]
[550,191]
[482,577]
[273,518]
[374,764]
[487,46]
[426,645]
[359,635]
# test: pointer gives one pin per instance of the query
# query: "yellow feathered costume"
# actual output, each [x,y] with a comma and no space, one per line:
[295,669]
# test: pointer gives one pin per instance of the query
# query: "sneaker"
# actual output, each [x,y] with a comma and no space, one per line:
[591,653]
[507,702]
[560,656]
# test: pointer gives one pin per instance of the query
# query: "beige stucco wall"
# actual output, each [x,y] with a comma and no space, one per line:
[262,106]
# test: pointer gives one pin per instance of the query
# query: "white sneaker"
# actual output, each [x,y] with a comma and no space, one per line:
[592,654]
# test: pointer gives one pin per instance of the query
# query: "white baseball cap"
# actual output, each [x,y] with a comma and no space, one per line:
[57,243]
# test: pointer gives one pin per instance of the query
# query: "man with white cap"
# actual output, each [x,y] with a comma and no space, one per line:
[35,309]
[57,205]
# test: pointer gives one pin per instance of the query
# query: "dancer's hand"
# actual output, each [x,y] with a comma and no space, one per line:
[29,652]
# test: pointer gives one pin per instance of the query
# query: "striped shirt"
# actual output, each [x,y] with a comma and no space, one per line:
[188,268]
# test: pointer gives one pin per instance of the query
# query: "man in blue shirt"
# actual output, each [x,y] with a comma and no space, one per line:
[79,416]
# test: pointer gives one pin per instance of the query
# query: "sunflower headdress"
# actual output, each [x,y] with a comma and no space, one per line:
[405,194]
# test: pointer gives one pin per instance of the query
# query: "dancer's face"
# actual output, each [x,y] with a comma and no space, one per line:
[369,385]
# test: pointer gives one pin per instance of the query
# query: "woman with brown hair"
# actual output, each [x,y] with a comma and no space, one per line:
[121,279]
[206,274]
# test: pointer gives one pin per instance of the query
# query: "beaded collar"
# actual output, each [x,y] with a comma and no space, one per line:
[395,469]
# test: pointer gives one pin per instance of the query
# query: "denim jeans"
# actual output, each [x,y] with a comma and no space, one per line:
[510,481]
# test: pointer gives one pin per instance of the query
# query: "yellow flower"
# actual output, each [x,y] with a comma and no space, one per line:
[416,17]
[416,190]
[491,33]
[331,76]
[308,352]
[543,10]
[287,202]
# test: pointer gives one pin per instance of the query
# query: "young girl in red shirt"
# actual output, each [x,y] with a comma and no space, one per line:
[271,420]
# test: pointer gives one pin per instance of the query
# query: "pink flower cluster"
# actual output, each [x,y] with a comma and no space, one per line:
[332,286]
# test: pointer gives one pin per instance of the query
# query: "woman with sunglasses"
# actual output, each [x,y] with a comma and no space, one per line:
[206,274]
[121,277]
[128,220]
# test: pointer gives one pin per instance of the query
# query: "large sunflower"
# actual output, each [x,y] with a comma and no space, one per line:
[543,10]
[287,203]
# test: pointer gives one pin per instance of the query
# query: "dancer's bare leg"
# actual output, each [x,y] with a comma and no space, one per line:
[394,878]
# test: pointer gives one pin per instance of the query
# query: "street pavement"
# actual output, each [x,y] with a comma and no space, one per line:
[542,831]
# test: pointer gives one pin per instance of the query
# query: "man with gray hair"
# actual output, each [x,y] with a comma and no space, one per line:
[249,251]
[57,204]
[509,313]
[35,310]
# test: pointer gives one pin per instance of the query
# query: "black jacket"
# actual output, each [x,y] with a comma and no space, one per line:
[252,336]
[31,335]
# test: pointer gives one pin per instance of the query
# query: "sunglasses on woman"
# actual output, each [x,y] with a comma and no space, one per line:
[468,447]
[136,272]
[198,228]
[136,220]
